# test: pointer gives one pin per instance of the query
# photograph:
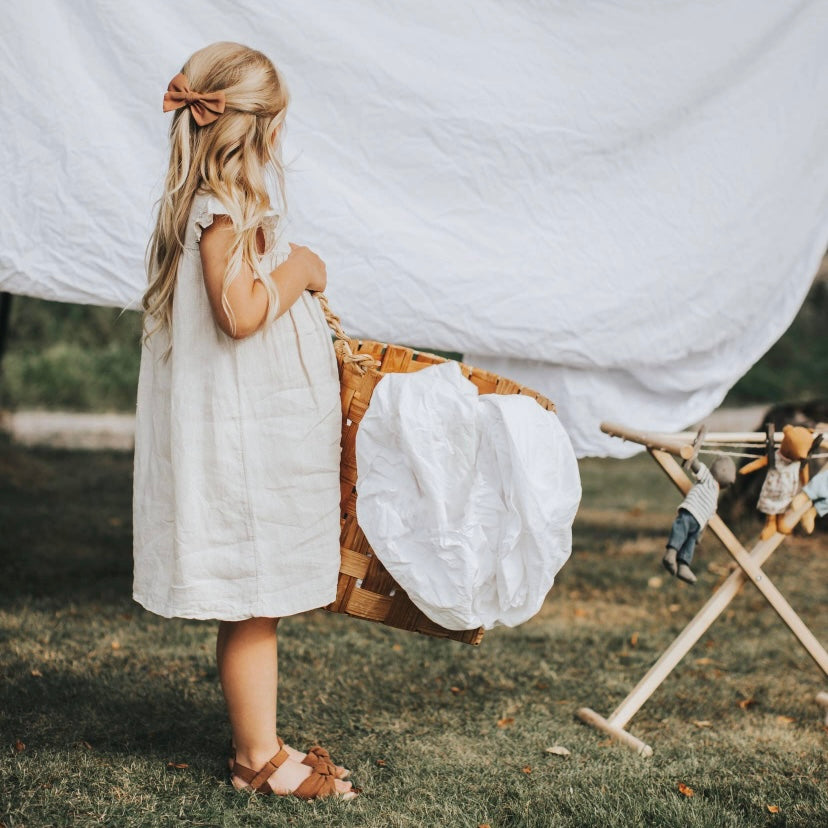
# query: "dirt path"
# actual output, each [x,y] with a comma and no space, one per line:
[63,429]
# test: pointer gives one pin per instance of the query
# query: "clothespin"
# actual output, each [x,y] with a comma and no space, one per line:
[805,465]
[770,444]
[697,442]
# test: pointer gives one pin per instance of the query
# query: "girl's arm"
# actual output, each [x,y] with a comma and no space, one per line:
[247,296]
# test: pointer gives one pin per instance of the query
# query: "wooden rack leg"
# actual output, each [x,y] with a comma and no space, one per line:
[617,732]
[679,648]
[750,568]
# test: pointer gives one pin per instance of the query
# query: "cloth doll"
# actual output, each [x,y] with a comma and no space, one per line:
[694,512]
[786,477]
[815,493]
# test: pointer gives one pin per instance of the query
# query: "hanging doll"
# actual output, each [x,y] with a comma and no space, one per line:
[784,478]
[694,512]
[814,493]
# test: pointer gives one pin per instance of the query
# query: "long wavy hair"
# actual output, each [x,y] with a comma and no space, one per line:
[228,158]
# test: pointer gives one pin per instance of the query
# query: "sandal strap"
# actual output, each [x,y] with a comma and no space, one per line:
[321,782]
[244,773]
[258,780]
[316,753]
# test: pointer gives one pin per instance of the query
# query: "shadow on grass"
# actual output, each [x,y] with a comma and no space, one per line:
[121,710]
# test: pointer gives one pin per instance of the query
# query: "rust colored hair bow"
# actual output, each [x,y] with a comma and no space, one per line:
[205,108]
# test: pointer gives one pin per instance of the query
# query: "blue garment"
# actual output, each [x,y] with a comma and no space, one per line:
[817,490]
[683,536]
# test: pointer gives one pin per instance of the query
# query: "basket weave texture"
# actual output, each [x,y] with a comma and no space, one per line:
[365,589]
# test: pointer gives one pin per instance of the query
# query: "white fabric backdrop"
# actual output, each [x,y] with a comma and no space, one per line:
[631,195]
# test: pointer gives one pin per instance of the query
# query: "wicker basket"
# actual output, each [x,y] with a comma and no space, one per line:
[365,588]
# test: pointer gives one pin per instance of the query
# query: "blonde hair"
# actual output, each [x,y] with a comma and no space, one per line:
[228,158]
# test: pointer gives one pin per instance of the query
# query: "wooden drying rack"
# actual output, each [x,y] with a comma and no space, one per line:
[662,447]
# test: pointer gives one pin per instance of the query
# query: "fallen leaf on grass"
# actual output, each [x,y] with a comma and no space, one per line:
[86,745]
[484,825]
[785,719]
[558,750]
[36,673]
[605,743]
[177,765]
[506,721]
[634,640]
[19,746]
[116,645]
[774,809]
[702,723]
[381,762]
[580,612]
[674,607]
[746,703]
[704,661]
[655,582]
[527,769]
[456,690]
[686,790]
[397,648]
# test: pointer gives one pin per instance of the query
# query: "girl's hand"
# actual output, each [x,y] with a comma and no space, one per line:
[312,266]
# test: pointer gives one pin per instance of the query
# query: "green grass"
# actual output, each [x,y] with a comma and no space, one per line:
[105,695]
[84,358]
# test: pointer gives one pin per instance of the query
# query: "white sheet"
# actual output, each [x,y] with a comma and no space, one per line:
[632,195]
[467,500]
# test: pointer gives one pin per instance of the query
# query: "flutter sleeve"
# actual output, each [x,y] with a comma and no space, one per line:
[207,208]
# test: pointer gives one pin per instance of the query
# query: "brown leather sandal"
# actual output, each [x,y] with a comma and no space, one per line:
[319,754]
[313,755]
[320,783]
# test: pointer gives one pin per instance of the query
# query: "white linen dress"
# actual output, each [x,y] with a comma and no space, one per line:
[237,448]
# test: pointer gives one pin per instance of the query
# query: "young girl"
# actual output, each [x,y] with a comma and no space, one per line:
[236,492]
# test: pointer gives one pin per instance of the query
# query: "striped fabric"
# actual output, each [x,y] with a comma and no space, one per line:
[702,499]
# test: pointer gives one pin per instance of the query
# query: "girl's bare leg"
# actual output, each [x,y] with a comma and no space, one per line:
[247,660]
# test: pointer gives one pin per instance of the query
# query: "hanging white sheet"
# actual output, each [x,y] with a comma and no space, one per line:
[620,203]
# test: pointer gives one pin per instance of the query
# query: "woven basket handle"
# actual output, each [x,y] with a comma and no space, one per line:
[342,345]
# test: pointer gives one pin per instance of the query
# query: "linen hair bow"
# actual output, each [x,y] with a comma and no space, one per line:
[205,108]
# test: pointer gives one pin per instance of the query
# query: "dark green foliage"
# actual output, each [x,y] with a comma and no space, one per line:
[796,367]
[85,358]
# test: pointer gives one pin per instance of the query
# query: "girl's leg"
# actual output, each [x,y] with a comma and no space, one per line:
[247,661]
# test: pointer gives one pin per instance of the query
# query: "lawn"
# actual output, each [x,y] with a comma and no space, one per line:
[112,716]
